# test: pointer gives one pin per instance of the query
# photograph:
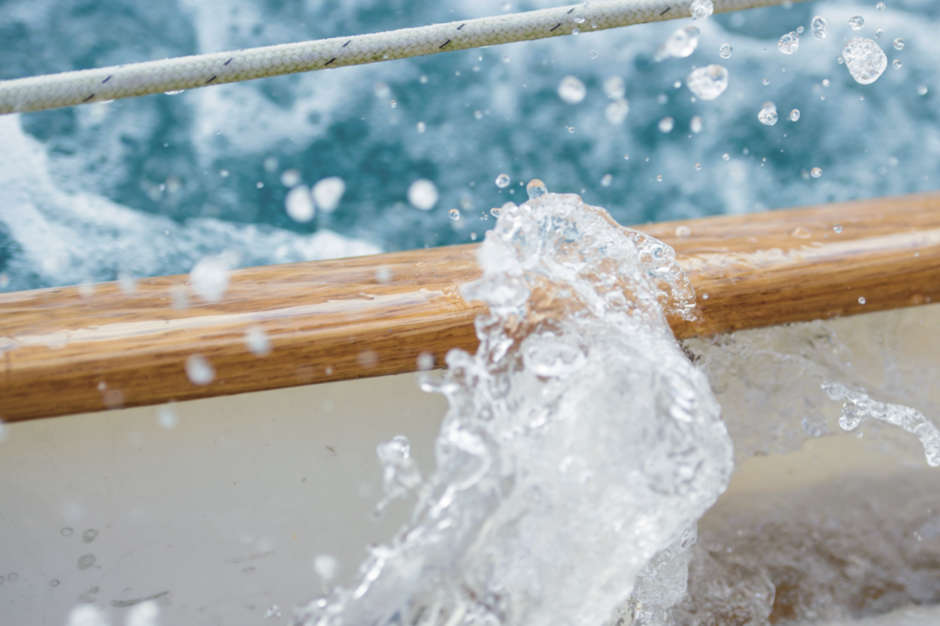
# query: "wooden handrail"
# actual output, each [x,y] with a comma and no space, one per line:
[65,353]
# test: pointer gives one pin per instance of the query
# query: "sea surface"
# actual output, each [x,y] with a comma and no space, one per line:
[151,185]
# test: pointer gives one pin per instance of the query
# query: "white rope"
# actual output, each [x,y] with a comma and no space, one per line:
[124,81]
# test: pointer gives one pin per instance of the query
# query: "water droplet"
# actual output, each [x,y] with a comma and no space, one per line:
[837,229]
[325,566]
[680,44]
[768,114]
[606,180]
[617,111]
[820,27]
[856,22]
[290,178]
[383,274]
[922,90]
[503,180]
[66,532]
[725,51]
[143,614]
[173,92]
[54,583]
[707,82]
[614,88]
[789,43]
[898,43]
[166,416]
[683,231]
[426,360]
[89,535]
[862,300]
[421,127]
[199,370]
[571,90]
[454,215]
[257,341]
[897,64]
[695,124]
[86,561]
[801,233]
[536,189]
[127,283]
[725,157]
[299,204]
[864,59]
[666,125]
[880,5]
[328,192]
[795,115]
[422,194]
[700,9]
[816,172]
[209,278]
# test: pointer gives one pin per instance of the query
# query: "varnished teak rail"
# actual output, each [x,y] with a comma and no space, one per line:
[65,353]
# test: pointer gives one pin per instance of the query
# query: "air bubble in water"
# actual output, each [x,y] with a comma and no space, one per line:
[707,82]
[795,115]
[328,192]
[898,43]
[864,59]
[680,44]
[571,90]
[536,189]
[725,51]
[820,27]
[700,9]
[617,111]
[199,370]
[257,341]
[768,114]
[856,22]
[789,43]
[422,194]
[503,180]
[299,204]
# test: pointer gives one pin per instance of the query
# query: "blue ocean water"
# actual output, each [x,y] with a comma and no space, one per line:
[150,185]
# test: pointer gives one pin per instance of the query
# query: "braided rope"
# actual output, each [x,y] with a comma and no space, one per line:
[124,81]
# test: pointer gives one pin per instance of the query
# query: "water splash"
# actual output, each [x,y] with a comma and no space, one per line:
[858,406]
[580,441]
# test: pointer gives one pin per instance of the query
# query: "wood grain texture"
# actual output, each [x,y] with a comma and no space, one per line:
[64,353]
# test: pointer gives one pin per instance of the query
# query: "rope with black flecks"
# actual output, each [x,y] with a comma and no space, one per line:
[124,81]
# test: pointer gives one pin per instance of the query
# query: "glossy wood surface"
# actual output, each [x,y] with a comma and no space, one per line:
[63,352]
